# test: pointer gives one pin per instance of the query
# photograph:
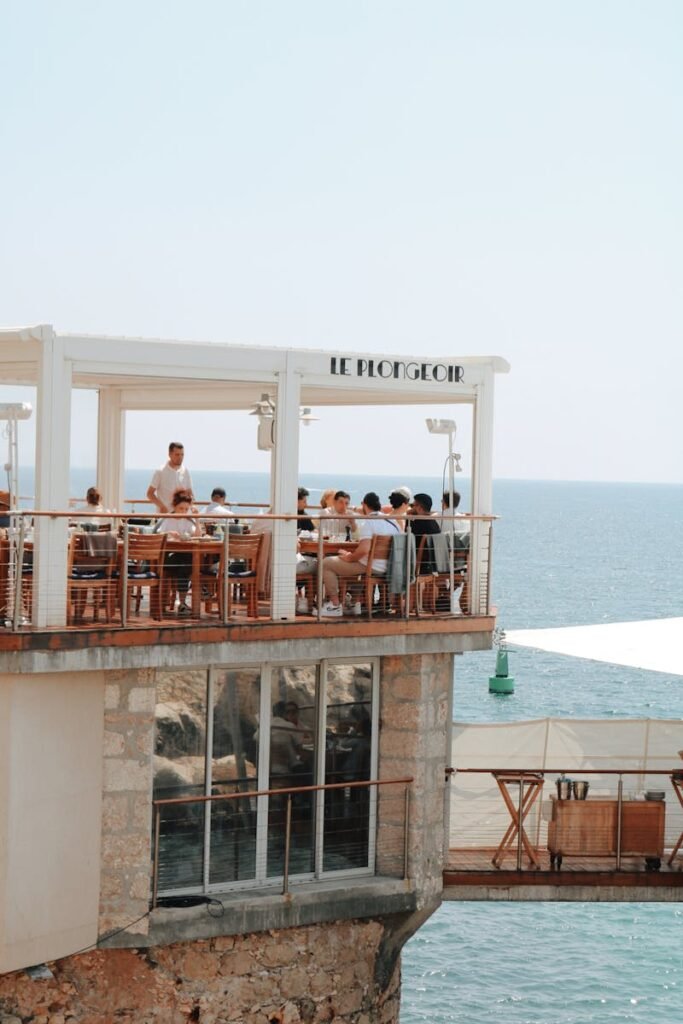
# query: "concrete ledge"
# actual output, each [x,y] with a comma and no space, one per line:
[128,649]
[264,910]
[563,894]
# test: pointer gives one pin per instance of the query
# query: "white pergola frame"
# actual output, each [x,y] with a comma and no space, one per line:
[155,374]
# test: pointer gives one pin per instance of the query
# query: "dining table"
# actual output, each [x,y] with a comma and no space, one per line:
[199,548]
[330,546]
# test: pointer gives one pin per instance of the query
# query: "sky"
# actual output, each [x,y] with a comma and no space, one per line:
[438,177]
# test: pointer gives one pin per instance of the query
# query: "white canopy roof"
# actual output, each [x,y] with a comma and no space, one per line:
[654,644]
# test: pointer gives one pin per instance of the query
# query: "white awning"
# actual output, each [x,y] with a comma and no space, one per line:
[654,644]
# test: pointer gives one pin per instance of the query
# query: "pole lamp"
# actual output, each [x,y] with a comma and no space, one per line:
[11,413]
[449,427]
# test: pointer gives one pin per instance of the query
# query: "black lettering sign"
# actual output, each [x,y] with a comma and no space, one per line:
[385,369]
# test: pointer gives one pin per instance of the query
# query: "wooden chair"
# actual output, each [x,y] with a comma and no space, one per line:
[422,580]
[242,582]
[90,567]
[145,569]
[437,584]
[380,547]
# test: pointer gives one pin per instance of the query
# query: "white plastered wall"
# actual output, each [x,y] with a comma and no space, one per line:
[50,815]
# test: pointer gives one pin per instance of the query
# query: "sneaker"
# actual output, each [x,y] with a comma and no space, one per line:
[301,606]
[184,609]
[331,611]
[354,609]
[348,600]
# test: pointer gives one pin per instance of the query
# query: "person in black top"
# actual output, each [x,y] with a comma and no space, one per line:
[304,522]
[422,506]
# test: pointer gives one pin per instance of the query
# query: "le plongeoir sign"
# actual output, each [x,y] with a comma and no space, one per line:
[395,369]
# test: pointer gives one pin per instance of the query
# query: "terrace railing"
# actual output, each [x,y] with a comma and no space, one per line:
[252,838]
[598,820]
[88,570]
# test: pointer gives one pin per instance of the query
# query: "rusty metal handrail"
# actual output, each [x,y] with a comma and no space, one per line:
[277,792]
[289,792]
[562,771]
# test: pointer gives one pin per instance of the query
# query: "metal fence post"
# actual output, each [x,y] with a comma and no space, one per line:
[124,576]
[288,837]
[319,571]
[225,582]
[620,803]
[409,540]
[520,806]
[19,575]
[155,865]
[406,819]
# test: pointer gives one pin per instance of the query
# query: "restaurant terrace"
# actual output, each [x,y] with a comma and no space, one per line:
[136,374]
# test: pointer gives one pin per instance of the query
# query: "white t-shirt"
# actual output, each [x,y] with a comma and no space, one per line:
[336,527]
[370,525]
[452,523]
[218,510]
[91,521]
[166,481]
[178,524]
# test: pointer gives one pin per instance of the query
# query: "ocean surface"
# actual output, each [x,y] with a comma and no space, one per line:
[564,554]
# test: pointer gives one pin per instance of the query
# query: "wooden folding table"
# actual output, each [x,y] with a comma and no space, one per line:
[529,786]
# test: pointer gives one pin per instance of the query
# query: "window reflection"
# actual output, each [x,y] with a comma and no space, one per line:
[234,768]
[348,758]
[317,728]
[180,771]
[292,765]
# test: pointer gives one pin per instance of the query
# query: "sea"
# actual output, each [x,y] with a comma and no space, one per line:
[565,553]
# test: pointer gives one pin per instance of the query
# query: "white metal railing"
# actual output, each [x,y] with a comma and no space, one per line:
[51,575]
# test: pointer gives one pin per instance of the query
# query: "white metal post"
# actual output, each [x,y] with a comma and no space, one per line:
[482,482]
[110,448]
[451,558]
[285,483]
[53,439]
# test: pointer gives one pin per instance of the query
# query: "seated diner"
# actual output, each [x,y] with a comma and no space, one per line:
[180,526]
[336,520]
[93,504]
[304,522]
[353,563]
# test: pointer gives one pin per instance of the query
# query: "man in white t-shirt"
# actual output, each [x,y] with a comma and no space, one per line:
[218,505]
[451,521]
[170,478]
[335,519]
[353,563]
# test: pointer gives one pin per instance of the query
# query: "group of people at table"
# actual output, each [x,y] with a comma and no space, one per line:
[337,519]
[171,492]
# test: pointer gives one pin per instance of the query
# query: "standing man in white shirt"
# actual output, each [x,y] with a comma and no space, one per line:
[168,479]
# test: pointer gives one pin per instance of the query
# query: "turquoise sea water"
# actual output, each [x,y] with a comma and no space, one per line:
[565,554]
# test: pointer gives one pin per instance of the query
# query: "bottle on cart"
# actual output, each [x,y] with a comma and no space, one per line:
[348,532]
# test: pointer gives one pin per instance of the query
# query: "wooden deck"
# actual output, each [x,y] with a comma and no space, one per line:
[473,867]
[141,630]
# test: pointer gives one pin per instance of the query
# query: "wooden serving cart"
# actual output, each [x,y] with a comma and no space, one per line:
[591,828]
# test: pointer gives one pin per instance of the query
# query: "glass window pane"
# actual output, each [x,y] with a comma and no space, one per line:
[292,764]
[179,771]
[234,769]
[348,758]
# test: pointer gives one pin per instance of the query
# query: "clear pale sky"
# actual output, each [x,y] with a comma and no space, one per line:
[437,177]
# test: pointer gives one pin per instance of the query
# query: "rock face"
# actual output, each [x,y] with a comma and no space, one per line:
[339,973]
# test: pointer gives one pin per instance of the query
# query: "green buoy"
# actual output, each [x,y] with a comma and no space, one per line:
[501,682]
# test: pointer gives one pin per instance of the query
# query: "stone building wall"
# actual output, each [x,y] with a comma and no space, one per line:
[345,973]
[129,700]
[414,741]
